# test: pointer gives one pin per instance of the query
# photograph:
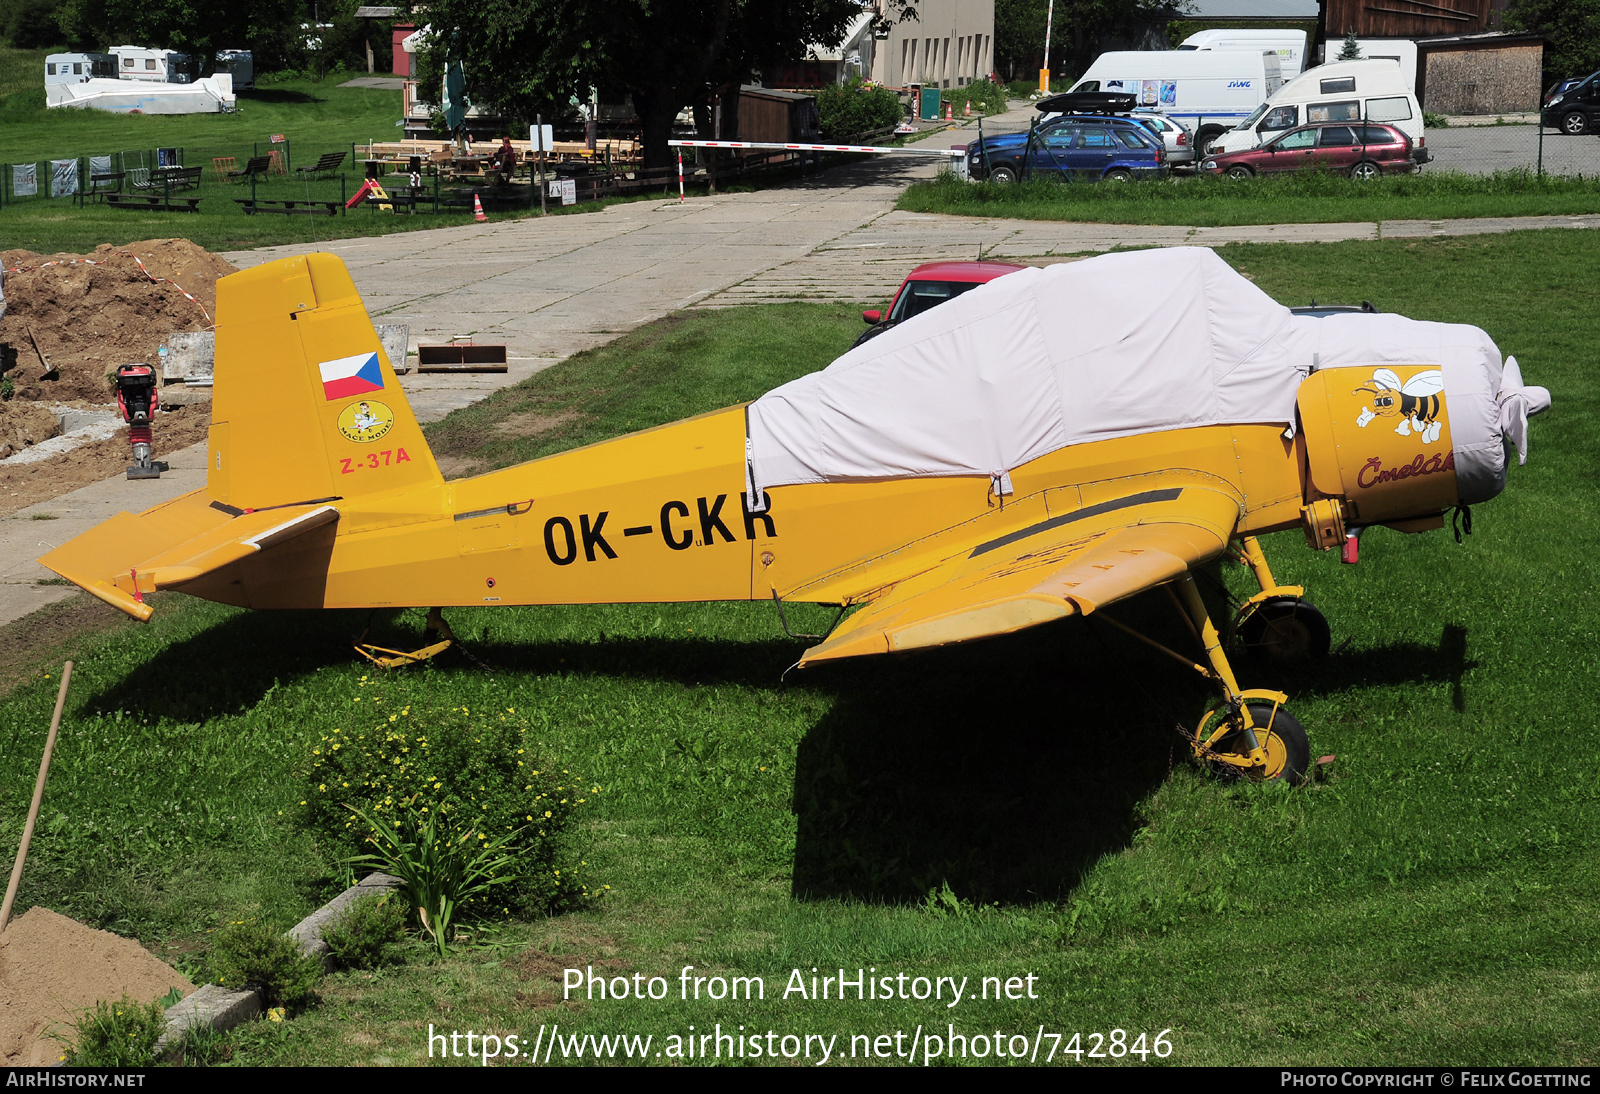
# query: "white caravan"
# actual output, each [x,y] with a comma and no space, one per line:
[1344,91]
[1209,91]
[76,68]
[1290,45]
[157,66]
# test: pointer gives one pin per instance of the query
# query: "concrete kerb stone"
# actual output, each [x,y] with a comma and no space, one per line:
[308,932]
[220,1008]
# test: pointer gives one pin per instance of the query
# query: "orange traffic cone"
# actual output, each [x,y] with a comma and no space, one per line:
[968,112]
[477,210]
[949,112]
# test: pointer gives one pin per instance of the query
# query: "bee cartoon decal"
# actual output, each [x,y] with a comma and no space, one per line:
[1416,402]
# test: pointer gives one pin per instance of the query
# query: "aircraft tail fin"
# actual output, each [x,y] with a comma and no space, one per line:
[306,406]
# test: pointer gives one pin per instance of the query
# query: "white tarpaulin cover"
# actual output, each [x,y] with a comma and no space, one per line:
[1109,347]
[1035,361]
[212,95]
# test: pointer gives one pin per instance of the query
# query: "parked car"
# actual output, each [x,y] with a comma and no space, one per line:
[928,286]
[1574,106]
[1071,146]
[1360,151]
[1341,91]
[1177,138]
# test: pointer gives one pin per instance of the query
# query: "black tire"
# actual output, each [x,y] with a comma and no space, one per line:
[1366,169]
[1575,124]
[1287,747]
[1119,174]
[1003,174]
[1203,139]
[1240,171]
[1285,630]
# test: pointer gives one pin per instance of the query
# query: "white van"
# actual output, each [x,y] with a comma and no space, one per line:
[1289,44]
[1384,49]
[76,68]
[1352,91]
[1208,91]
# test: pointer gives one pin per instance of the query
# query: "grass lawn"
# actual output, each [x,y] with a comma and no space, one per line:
[1011,808]
[1207,202]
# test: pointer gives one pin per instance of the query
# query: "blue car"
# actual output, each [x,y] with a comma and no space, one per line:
[1073,146]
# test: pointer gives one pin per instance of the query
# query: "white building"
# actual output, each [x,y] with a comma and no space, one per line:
[949,44]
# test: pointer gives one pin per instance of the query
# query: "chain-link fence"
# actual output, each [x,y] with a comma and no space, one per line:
[1472,144]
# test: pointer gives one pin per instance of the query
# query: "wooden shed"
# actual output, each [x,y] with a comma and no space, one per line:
[1492,73]
[766,114]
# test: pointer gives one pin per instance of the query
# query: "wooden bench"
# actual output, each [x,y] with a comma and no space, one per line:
[326,164]
[178,178]
[103,185]
[255,165]
[154,201]
[306,208]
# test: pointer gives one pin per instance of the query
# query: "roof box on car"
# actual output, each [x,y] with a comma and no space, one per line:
[1087,102]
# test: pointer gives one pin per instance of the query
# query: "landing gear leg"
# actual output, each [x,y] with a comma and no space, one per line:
[1249,732]
[1276,625]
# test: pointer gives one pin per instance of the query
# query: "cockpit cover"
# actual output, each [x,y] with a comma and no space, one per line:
[1033,362]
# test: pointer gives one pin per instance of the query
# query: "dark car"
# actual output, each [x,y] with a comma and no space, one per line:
[1574,106]
[1072,146]
[930,285]
[1360,151]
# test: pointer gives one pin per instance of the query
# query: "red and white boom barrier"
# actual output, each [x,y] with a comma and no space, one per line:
[958,153]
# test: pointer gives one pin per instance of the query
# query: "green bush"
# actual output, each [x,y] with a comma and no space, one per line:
[365,936]
[476,773]
[984,96]
[849,109]
[250,954]
[122,1034]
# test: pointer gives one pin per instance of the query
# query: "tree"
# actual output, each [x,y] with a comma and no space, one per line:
[1351,50]
[1571,29]
[531,56]
[1079,28]
[271,28]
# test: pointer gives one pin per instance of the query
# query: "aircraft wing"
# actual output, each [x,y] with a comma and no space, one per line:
[130,555]
[1050,570]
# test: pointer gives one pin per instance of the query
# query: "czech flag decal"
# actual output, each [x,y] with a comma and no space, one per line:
[351,376]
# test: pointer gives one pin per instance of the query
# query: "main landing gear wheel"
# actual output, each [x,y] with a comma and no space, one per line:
[1284,630]
[1282,738]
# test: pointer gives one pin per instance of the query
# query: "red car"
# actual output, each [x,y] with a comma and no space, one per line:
[1360,151]
[930,285]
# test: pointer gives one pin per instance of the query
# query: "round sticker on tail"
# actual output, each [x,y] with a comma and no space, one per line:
[365,421]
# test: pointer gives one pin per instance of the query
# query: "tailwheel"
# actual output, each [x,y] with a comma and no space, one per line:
[386,658]
[1223,742]
[1284,629]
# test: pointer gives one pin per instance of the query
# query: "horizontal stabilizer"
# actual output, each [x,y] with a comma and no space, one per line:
[166,547]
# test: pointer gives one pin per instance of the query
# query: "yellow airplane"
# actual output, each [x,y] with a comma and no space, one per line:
[1040,447]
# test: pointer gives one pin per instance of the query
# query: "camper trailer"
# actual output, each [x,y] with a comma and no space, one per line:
[240,64]
[1399,50]
[157,66]
[1209,91]
[1353,91]
[77,68]
[1290,45]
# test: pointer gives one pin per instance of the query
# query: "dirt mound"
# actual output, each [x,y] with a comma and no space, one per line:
[72,324]
[53,968]
[22,424]
[26,484]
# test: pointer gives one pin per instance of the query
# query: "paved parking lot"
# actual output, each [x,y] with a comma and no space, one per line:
[1484,149]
